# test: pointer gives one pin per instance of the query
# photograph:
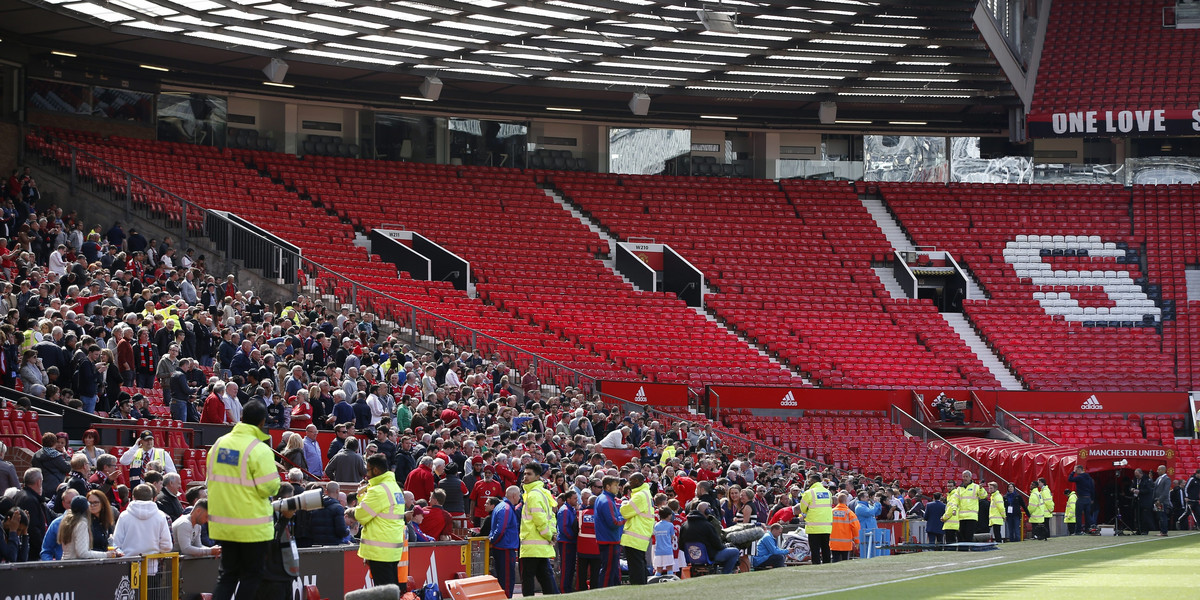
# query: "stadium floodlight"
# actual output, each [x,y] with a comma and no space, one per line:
[431,88]
[717,22]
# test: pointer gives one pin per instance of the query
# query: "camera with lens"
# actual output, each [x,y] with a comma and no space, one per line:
[310,500]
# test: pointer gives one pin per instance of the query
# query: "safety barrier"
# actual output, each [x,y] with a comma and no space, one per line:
[155,576]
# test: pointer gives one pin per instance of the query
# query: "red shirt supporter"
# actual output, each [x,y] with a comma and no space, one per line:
[437,523]
[783,515]
[449,419]
[507,477]
[706,475]
[484,489]
[685,489]
[214,410]
[421,483]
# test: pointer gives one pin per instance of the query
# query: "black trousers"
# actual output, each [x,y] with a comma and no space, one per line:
[383,573]
[637,565]
[1040,531]
[1072,528]
[1147,519]
[996,533]
[588,573]
[537,569]
[840,555]
[966,532]
[951,536]
[818,544]
[242,566]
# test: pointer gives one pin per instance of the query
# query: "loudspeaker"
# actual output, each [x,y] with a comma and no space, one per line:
[827,113]
[431,88]
[639,104]
[275,70]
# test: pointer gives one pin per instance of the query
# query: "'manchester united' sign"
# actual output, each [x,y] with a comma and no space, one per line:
[1115,122]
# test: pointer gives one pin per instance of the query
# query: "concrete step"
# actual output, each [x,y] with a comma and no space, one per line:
[1000,371]
[890,283]
[891,228]
[711,317]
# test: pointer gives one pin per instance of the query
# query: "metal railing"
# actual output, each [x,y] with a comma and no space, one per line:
[285,264]
[931,439]
[1018,427]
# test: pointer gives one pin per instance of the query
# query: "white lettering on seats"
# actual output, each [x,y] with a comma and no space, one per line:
[1130,300]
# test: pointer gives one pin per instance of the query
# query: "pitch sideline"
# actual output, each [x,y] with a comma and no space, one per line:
[987,566]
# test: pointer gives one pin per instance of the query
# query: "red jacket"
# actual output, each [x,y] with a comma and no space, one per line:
[124,356]
[437,522]
[214,410]
[421,483]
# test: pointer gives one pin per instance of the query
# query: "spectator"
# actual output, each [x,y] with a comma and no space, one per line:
[103,519]
[294,453]
[347,465]
[699,530]
[312,450]
[168,499]
[141,529]
[8,473]
[50,548]
[214,410]
[104,478]
[75,533]
[188,532]
[33,503]
[33,376]
[326,526]
[53,464]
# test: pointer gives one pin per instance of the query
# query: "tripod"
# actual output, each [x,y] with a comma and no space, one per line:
[1119,524]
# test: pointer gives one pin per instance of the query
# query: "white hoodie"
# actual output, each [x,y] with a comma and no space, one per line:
[143,529]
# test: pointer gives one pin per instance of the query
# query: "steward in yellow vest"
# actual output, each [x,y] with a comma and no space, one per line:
[950,520]
[537,532]
[241,479]
[381,514]
[1037,512]
[817,506]
[1069,513]
[639,525]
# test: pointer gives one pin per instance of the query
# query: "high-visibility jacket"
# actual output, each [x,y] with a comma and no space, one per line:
[1037,506]
[996,510]
[950,518]
[1069,511]
[968,501]
[1048,500]
[817,506]
[381,513]
[845,529]
[667,454]
[241,477]
[537,522]
[639,518]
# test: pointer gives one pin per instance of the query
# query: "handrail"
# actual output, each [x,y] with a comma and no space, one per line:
[1017,426]
[931,437]
[661,415]
[359,295]
[987,414]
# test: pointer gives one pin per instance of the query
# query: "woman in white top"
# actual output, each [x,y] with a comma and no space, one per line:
[75,533]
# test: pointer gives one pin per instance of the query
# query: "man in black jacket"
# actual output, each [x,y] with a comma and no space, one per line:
[1191,489]
[698,530]
[404,460]
[1143,501]
[52,464]
[325,526]
[31,502]
[168,499]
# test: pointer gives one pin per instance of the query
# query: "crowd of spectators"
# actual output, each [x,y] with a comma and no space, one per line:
[102,321]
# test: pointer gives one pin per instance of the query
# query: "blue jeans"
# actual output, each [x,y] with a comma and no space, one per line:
[89,403]
[1012,526]
[1084,512]
[728,559]
[1164,518]
[179,410]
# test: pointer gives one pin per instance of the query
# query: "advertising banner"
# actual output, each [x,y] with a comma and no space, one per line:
[67,580]
[646,394]
[1111,122]
[1099,402]
[732,396]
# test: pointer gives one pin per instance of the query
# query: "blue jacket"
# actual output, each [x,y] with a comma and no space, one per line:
[766,549]
[933,516]
[866,513]
[610,525]
[506,526]
[1084,486]
[51,550]
[240,363]
[568,524]
[343,412]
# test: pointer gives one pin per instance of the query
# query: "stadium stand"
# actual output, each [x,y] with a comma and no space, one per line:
[1124,57]
[989,226]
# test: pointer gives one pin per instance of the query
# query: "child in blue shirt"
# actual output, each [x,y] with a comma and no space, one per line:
[665,542]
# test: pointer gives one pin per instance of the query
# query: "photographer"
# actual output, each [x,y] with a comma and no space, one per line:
[14,543]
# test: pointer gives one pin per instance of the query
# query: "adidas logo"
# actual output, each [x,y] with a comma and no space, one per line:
[640,397]
[1092,404]
[789,399]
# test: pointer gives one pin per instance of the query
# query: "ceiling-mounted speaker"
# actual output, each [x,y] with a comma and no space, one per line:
[275,70]
[431,88]
[827,113]
[717,22]
[639,105]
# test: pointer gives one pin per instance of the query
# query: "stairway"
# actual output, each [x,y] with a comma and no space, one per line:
[1193,283]
[888,278]
[712,317]
[899,240]
[582,218]
[959,323]
[891,229]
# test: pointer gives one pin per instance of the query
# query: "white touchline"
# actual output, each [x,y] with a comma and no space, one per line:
[1013,562]
[965,562]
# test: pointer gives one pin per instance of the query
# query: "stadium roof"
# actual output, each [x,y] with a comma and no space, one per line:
[922,52]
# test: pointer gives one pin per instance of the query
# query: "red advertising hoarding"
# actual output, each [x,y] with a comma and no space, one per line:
[646,394]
